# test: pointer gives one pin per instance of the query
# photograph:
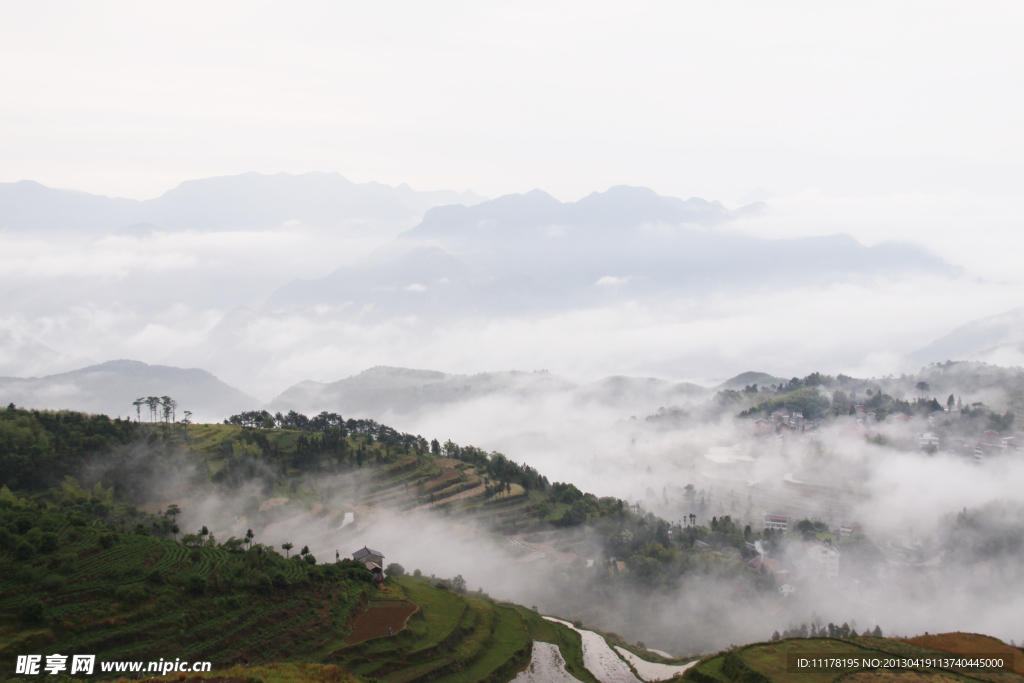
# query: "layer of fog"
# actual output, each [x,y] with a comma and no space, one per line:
[857,329]
[193,299]
[905,500]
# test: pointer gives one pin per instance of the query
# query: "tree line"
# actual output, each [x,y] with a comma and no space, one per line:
[162,408]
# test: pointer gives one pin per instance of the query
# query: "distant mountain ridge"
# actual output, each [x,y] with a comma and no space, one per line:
[619,207]
[109,388]
[389,390]
[531,252]
[245,201]
[996,338]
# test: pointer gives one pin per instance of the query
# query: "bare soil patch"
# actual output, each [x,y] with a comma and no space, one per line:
[447,476]
[378,617]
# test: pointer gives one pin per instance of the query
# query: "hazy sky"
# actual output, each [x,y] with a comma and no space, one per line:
[705,99]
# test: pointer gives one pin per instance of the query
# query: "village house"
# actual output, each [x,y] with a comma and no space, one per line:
[990,437]
[777,522]
[373,560]
[847,528]
[786,590]
[773,567]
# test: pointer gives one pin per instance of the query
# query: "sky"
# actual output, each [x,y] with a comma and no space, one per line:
[881,121]
[690,99]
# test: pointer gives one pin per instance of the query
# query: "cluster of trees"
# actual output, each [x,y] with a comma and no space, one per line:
[261,419]
[29,528]
[39,448]
[825,631]
[326,422]
[807,395]
[993,532]
[808,528]
[331,429]
[41,541]
[979,417]
[162,408]
[815,405]
[326,442]
[807,400]
[494,464]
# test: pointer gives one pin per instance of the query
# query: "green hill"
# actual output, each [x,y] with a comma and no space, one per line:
[73,585]
[769,662]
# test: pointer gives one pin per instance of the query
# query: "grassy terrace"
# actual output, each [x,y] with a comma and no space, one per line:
[143,597]
[451,638]
[770,660]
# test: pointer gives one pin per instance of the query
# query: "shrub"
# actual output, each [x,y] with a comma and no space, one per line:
[395,569]
[155,577]
[24,551]
[731,665]
[196,585]
[32,611]
[417,573]
[130,594]
[310,559]
[359,573]
[279,580]
[48,542]
[195,555]
[54,583]
[65,563]
[261,583]
[106,541]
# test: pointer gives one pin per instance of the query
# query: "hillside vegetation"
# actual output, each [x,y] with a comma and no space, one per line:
[768,662]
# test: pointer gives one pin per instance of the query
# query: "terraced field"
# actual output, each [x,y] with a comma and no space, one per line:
[449,485]
[450,638]
[143,597]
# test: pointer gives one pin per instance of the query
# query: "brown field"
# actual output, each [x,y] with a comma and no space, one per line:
[971,644]
[379,615]
[448,462]
[447,476]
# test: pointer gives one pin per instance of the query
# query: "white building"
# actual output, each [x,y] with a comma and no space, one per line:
[777,522]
